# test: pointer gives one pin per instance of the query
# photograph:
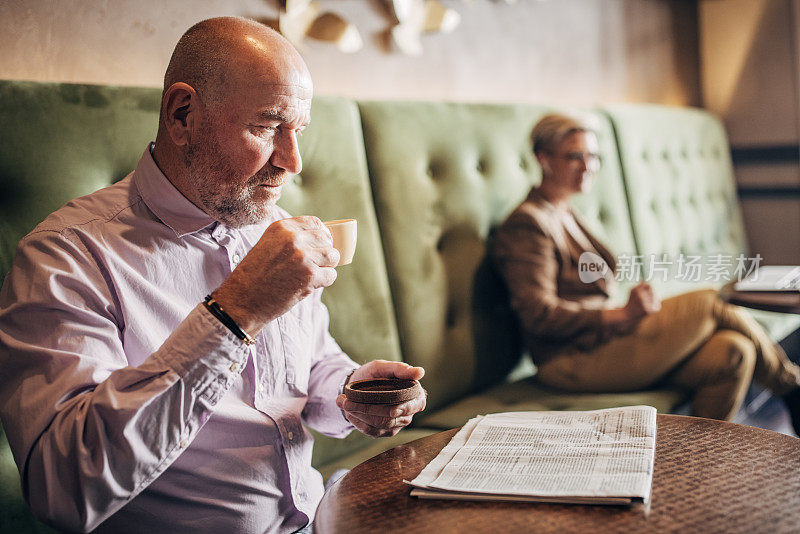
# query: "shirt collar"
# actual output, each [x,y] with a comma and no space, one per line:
[165,201]
[535,195]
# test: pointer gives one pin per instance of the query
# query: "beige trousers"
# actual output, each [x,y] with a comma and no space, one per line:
[695,342]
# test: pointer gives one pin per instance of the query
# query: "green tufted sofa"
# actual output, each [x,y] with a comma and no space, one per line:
[427,182]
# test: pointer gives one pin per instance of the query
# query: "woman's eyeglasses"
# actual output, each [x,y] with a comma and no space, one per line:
[590,159]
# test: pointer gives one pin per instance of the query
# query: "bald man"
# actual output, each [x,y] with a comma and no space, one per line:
[133,404]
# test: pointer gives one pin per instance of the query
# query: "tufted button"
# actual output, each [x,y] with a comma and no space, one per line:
[481,166]
[523,163]
[432,171]
[297,180]
[645,155]
[450,319]
[665,155]
[440,244]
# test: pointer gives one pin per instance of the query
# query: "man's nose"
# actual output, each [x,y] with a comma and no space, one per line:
[286,153]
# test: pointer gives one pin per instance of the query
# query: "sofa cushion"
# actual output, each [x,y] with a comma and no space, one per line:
[61,141]
[679,179]
[14,514]
[681,189]
[443,175]
[777,325]
[352,456]
[530,395]
[334,185]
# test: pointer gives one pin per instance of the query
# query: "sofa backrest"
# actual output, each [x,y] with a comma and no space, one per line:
[679,179]
[61,141]
[443,175]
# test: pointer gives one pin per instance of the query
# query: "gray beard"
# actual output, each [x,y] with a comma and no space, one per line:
[234,213]
[229,204]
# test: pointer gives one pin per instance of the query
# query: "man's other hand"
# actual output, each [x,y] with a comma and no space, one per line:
[293,257]
[380,420]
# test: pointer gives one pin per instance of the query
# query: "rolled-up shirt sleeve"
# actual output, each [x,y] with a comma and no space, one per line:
[88,431]
[526,257]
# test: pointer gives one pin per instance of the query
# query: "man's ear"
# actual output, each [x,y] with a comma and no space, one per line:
[180,109]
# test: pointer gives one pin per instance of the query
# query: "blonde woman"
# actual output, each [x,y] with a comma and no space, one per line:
[581,342]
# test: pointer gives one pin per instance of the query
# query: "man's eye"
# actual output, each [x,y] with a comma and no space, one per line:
[264,129]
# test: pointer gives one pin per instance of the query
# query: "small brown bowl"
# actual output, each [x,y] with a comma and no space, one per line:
[382,390]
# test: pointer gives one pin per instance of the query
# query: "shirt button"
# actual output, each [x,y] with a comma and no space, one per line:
[184,444]
[261,387]
[234,367]
[236,259]
[290,435]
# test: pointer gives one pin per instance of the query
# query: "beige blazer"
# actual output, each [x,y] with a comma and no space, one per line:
[537,255]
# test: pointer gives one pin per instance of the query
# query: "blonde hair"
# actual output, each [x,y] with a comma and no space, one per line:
[554,127]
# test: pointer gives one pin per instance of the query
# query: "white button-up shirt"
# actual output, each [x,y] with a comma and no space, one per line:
[127,404]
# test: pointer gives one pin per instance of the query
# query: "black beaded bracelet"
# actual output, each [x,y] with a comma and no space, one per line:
[217,311]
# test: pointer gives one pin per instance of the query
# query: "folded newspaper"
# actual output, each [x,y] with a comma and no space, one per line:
[772,278]
[596,457]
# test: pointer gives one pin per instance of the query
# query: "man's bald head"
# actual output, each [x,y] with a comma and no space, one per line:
[214,53]
[236,96]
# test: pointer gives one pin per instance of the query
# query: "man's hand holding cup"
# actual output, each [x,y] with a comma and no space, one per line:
[379,420]
[293,258]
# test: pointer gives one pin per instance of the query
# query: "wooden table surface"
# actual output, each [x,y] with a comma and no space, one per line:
[710,476]
[775,301]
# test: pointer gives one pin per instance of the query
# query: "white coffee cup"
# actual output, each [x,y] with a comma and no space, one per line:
[344,233]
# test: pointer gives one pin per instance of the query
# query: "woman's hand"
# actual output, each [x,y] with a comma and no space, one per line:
[642,302]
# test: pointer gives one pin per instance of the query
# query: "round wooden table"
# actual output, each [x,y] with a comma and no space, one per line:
[710,476]
[774,301]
